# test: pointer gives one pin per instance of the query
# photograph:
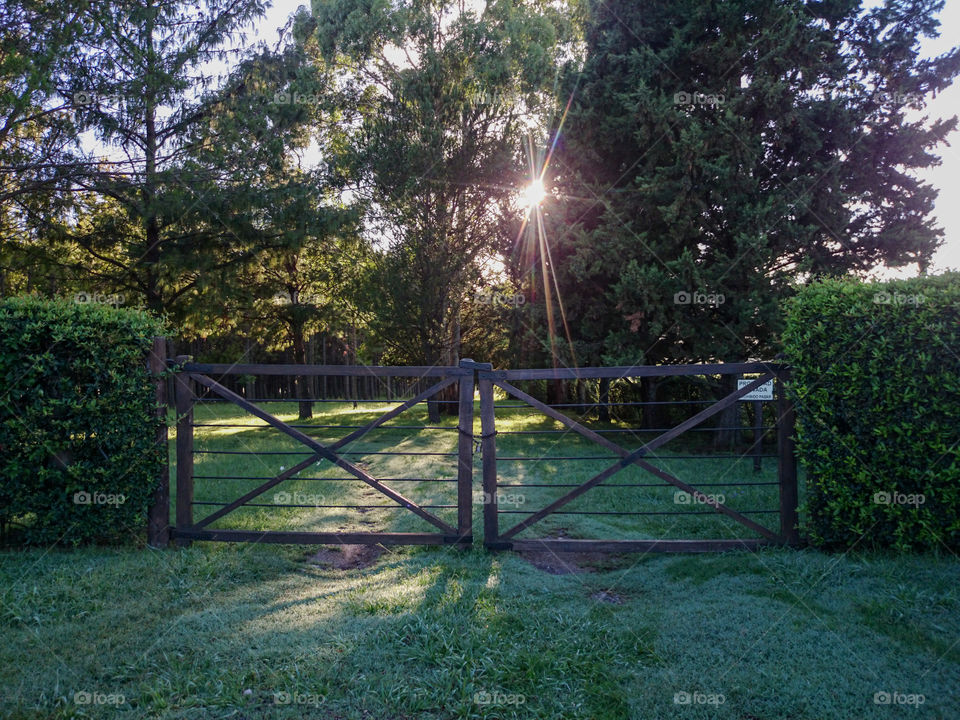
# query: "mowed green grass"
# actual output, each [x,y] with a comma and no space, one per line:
[257,631]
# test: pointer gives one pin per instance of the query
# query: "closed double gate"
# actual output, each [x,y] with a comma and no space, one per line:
[457,390]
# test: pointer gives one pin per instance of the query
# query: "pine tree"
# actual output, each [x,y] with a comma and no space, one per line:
[186,163]
[732,149]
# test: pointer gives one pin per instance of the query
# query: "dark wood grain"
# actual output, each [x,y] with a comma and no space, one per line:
[319,538]
[488,447]
[158,517]
[465,458]
[787,463]
[332,370]
[183,392]
[630,371]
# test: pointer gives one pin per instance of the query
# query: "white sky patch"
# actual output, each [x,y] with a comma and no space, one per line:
[945,177]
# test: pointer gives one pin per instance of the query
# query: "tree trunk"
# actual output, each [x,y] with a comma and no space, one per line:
[604,399]
[652,417]
[323,361]
[300,358]
[728,418]
[433,406]
[556,392]
[353,353]
[450,395]
[249,384]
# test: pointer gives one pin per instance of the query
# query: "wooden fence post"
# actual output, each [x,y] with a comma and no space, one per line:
[183,388]
[158,517]
[488,444]
[465,456]
[787,462]
[757,435]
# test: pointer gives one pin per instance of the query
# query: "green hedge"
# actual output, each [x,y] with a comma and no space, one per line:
[76,421]
[876,382]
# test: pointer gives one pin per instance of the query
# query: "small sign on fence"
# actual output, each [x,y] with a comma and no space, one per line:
[764,392]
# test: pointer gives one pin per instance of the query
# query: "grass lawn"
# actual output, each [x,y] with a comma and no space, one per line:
[254,631]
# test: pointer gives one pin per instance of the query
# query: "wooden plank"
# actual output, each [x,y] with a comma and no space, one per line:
[332,370]
[158,517]
[488,446]
[319,538]
[635,457]
[323,451]
[631,371]
[615,546]
[183,391]
[787,464]
[465,458]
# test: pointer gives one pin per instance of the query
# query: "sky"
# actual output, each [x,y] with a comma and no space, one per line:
[945,178]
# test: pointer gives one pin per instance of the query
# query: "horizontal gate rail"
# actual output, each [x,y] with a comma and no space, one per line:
[331,370]
[614,373]
[318,538]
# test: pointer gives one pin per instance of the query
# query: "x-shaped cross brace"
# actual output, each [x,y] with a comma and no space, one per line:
[635,457]
[323,452]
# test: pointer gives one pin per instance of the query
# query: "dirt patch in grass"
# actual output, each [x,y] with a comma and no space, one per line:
[607,596]
[563,563]
[567,563]
[346,557]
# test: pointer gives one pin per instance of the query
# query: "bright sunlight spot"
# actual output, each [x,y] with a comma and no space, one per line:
[534,193]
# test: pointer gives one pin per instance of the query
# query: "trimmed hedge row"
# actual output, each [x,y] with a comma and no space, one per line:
[876,382]
[78,458]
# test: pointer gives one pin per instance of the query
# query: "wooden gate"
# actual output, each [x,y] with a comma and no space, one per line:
[193,378]
[642,457]
[457,386]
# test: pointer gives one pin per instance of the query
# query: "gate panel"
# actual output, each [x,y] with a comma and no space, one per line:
[643,457]
[203,382]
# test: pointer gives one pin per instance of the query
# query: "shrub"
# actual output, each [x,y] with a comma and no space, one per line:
[76,420]
[876,382]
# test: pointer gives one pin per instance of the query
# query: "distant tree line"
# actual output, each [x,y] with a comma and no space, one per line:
[356,184]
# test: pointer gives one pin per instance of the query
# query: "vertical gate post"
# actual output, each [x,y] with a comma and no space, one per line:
[488,445]
[465,456]
[183,389]
[158,517]
[757,435]
[787,462]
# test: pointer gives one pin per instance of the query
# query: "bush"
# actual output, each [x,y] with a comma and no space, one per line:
[876,382]
[76,420]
